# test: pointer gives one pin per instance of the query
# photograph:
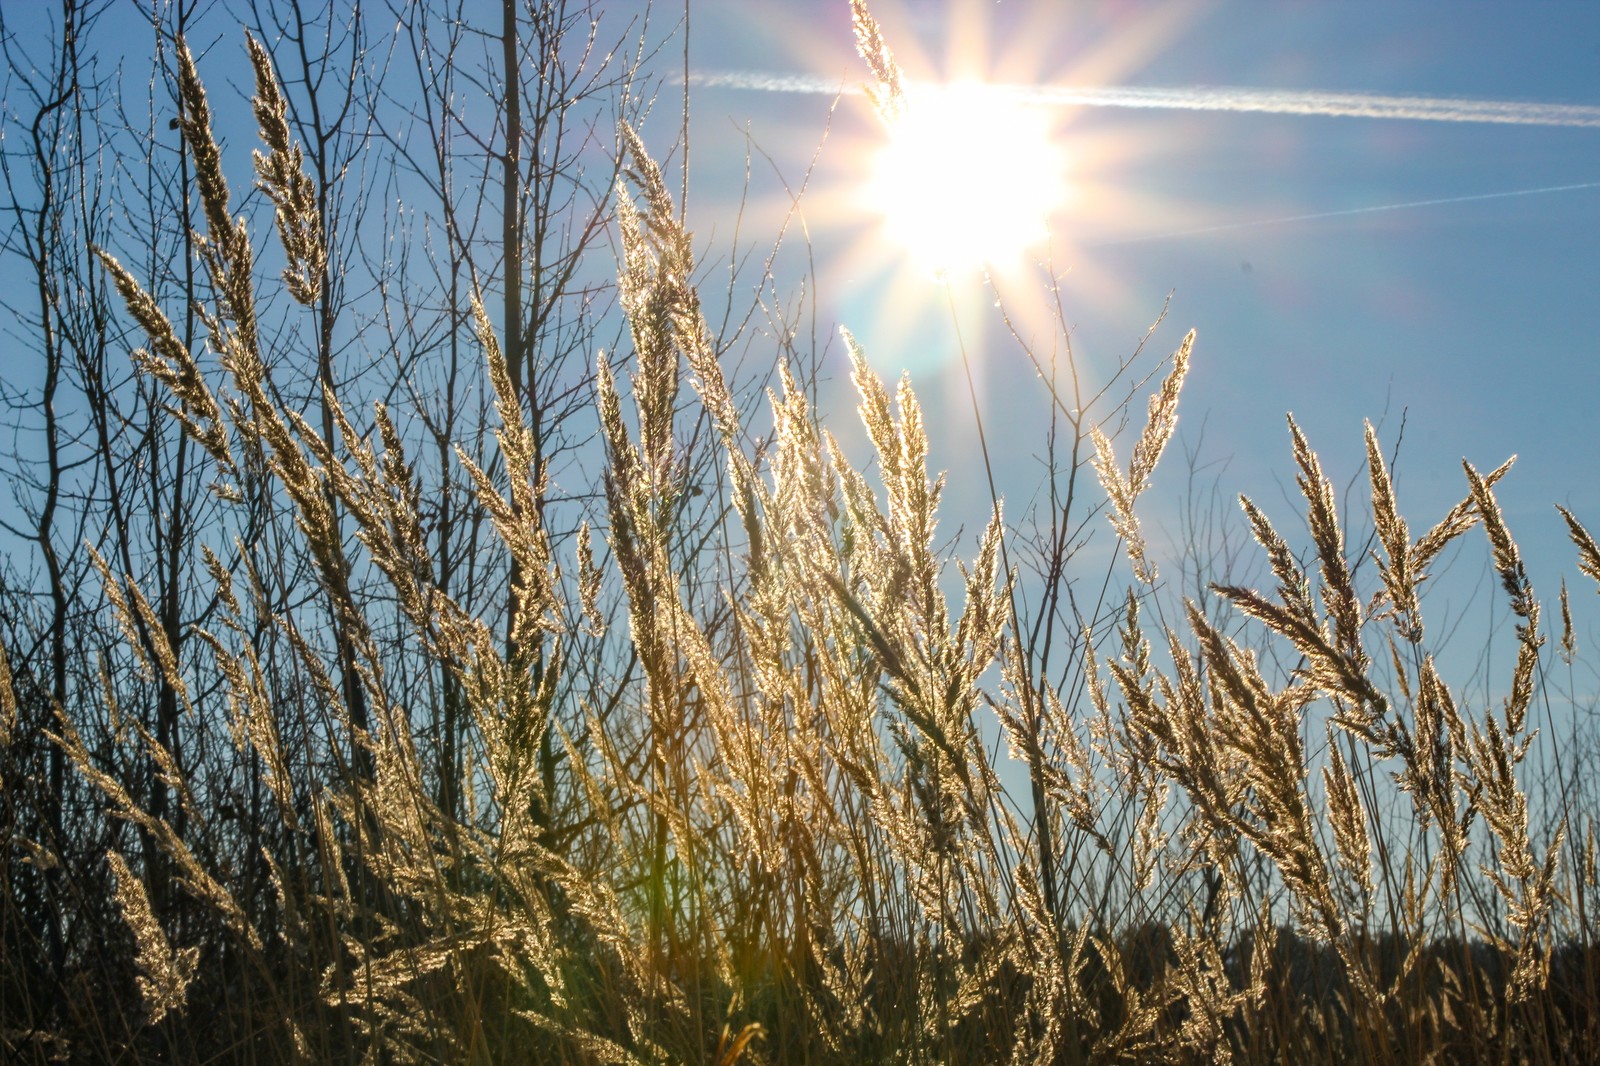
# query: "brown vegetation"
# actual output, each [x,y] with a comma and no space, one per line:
[712,773]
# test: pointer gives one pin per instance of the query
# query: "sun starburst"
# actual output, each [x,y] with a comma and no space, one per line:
[967,177]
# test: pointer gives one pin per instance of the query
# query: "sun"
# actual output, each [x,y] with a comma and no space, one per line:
[968,179]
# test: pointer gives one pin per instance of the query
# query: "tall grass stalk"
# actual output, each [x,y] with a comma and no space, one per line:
[784,830]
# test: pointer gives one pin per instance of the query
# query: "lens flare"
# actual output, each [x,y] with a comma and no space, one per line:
[967,178]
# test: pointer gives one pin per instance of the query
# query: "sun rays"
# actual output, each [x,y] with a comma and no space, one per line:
[964,180]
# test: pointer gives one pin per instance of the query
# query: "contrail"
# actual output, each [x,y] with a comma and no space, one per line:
[1360,211]
[1270,101]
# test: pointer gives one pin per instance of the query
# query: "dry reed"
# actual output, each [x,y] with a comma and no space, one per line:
[786,835]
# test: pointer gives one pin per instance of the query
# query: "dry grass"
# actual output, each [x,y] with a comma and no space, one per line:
[785,835]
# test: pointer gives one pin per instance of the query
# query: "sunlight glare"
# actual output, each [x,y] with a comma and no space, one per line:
[968,178]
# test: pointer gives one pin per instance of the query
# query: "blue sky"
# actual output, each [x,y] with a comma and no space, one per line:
[1475,318]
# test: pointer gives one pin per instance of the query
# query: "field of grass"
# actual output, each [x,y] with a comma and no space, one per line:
[749,762]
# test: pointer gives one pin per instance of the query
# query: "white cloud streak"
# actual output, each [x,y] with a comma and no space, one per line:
[1375,209]
[1221,98]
